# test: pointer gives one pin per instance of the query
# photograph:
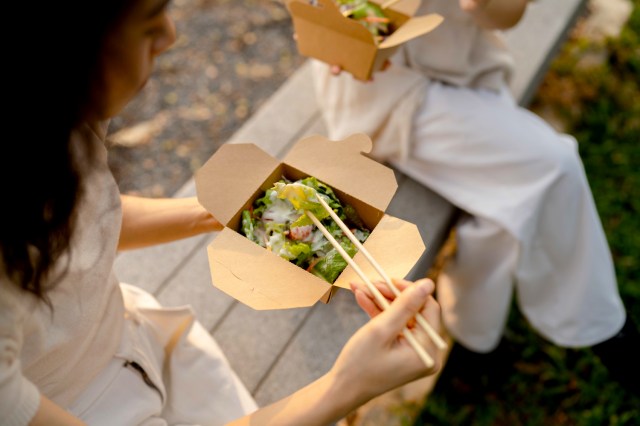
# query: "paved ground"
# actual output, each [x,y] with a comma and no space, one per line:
[230,56]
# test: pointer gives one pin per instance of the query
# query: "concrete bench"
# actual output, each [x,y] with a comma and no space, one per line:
[277,352]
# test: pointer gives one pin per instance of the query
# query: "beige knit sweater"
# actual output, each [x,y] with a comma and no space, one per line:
[58,352]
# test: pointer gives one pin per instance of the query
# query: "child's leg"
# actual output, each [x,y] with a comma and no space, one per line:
[475,315]
[511,170]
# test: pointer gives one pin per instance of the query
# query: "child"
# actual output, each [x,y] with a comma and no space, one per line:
[76,346]
[442,113]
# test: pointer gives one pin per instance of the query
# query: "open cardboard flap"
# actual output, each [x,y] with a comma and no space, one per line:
[236,172]
[258,277]
[395,244]
[341,165]
[413,28]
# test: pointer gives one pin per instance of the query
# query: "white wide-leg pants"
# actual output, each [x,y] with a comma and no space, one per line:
[531,224]
[169,371]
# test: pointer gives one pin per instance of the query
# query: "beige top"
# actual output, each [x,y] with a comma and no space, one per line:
[59,352]
[458,52]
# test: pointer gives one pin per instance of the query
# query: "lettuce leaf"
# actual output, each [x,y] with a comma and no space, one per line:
[273,219]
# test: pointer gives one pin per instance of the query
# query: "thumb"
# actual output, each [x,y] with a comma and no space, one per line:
[406,306]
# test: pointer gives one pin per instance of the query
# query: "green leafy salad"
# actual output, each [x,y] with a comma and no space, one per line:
[277,222]
[368,14]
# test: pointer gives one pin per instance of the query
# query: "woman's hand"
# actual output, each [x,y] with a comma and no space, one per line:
[377,358]
[368,302]
[374,360]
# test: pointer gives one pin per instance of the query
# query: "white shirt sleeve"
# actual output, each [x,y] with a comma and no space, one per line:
[19,397]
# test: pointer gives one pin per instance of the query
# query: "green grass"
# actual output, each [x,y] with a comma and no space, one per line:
[599,103]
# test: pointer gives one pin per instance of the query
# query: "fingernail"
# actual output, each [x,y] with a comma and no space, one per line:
[422,289]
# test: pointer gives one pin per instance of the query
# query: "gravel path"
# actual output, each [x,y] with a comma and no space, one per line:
[230,56]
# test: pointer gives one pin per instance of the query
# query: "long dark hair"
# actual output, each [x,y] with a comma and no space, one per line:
[54,83]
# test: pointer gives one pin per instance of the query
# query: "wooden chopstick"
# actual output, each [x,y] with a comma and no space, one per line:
[422,353]
[437,339]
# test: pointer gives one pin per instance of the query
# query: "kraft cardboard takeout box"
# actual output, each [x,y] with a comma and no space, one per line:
[323,33]
[237,174]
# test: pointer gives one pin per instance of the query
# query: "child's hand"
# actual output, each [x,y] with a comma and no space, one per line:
[336,69]
[473,5]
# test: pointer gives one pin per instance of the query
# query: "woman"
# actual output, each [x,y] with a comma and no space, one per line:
[76,346]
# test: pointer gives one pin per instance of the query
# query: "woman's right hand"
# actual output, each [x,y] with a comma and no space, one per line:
[378,358]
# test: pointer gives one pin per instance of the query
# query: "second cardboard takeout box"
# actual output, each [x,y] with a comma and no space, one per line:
[323,33]
[237,174]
